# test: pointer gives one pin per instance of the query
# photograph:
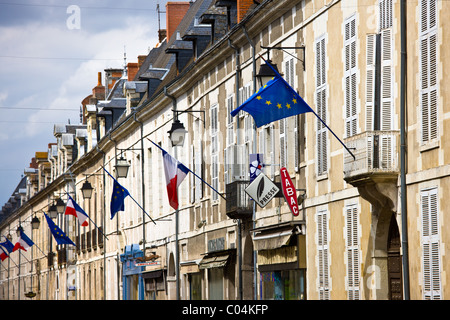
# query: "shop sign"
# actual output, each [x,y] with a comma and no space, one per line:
[148,261]
[262,190]
[289,192]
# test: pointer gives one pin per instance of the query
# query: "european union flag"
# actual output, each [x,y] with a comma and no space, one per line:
[8,245]
[274,101]
[57,233]
[117,199]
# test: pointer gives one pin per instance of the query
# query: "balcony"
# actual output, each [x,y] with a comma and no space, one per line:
[239,205]
[375,169]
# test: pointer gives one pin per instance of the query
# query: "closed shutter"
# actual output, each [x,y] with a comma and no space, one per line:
[283,143]
[321,95]
[289,76]
[351,120]
[214,150]
[428,70]
[371,42]
[353,260]
[198,169]
[430,243]
[230,121]
[322,256]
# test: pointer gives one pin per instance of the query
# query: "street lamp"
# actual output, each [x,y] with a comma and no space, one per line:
[122,167]
[60,206]
[52,211]
[177,133]
[86,190]
[266,72]
[35,222]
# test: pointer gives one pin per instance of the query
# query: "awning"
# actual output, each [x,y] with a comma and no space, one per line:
[215,261]
[272,239]
[152,274]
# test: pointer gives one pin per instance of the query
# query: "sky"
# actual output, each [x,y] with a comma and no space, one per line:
[51,53]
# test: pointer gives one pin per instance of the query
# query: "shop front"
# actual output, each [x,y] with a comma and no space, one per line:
[219,267]
[281,259]
[133,283]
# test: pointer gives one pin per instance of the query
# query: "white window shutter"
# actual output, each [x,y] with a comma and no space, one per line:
[353,260]
[350,77]
[198,169]
[322,256]
[386,80]
[322,165]
[431,260]
[428,70]
[371,42]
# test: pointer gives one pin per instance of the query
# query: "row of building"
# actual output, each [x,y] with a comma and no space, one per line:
[371,223]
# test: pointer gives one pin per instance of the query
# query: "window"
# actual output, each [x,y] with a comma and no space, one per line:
[351,119]
[321,105]
[352,248]
[214,151]
[431,261]
[322,255]
[230,121]
[428,70]
[371,49]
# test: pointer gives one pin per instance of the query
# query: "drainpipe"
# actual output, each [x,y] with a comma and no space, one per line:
[405,259]
[104,225]
[255,278]
[142,181]
[239,222]
[117,230]
[177,252]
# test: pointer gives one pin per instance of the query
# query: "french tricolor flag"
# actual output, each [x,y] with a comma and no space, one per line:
[72,208]
[175,173]
[23,243]
[3,254]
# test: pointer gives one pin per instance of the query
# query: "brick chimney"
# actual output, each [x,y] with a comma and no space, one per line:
[243,6]
[141,60]
[175,12]
[98,92]
[132,69]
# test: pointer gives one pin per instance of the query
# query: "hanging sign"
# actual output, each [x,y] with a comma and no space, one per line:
[289,192]
[262,190]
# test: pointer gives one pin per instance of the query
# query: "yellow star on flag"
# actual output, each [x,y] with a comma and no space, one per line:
[288,105]
[268,102]
[279,106]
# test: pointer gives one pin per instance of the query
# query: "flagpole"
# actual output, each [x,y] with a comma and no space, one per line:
[192,172]
[354,158]
[132,198]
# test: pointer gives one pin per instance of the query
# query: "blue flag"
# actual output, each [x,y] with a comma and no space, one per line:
[8,245]
[118,198]
[274,101]
[57,233]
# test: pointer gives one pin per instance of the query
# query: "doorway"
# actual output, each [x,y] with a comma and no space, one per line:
[394,262]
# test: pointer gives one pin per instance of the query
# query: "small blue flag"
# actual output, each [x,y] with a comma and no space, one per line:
[118,198]
[8,245]
[274,101]
[57,233]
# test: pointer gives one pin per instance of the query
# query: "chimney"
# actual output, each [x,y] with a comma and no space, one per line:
[175,12]
[132,68]
[141,60]
[99,91]
[243,7]
[162,33]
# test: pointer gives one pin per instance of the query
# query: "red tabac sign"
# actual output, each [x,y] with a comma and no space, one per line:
[289,192]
